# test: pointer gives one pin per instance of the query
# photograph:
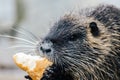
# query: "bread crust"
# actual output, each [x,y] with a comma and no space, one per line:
[37,72]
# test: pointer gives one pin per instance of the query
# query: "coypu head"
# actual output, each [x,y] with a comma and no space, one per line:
[81,47]
[69,47]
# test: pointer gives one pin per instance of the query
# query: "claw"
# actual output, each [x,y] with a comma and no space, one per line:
[28,77]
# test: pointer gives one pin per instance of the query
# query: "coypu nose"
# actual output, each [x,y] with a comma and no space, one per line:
[46,47]
[45,50]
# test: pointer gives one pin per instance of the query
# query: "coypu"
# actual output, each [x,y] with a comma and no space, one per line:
[84,46]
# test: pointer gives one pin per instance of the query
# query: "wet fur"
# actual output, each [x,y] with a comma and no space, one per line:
[85,57]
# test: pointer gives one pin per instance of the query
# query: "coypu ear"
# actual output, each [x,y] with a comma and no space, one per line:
[94,29]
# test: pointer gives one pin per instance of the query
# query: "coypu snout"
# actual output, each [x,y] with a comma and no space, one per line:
[46,47]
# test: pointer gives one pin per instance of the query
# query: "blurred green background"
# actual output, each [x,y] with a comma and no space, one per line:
[36,16]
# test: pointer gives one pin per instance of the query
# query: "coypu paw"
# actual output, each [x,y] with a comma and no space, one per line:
[46,76]
[49,74]
[28,77]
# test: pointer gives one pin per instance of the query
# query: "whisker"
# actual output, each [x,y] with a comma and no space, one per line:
[32,52]
[35,37]
[25,50]
[17,38]
[18,31]
[24,43]
[21,47]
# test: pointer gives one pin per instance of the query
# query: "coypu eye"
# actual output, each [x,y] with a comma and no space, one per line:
[94,29]
[74,37]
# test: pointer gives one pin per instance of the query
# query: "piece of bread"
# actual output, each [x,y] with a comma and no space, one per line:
[33,65]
